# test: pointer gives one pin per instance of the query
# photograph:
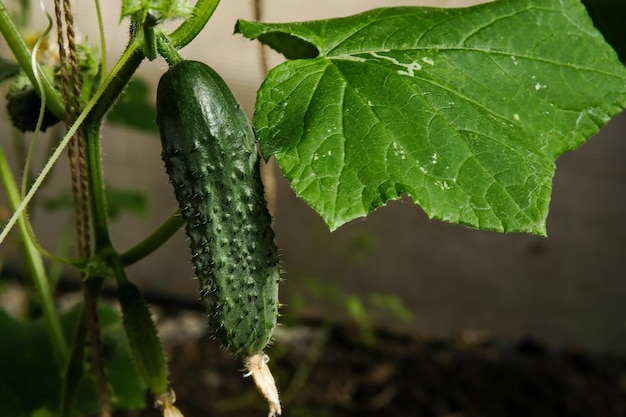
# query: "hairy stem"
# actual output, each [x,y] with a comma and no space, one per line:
[116,81]
[191,27]
[151,243]
[167,50]
[95,110]
[36,267]
[91,293]
[103,46]
[74,370]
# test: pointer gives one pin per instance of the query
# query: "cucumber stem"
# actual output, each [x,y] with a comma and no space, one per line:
[149,37]
[167,50]
[149,45]
[191,27]
[154,240]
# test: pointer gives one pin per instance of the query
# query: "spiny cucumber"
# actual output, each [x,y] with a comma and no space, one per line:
[144,343]
[209,151]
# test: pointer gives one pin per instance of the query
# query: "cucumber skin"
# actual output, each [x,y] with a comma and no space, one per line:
[143,341]
[210,155]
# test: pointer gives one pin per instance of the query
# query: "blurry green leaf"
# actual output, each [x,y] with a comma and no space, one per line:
[43,412]
[119,200]
[135,109]
[8,69]
[29,373]
[465,110]
[63,201]
[161,10]
[89,70]
[126,389]
[30,380]
[360,247]
[9,403]
[389,306]
[356,310]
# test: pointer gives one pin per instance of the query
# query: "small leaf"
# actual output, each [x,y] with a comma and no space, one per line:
[134,109]
[465,110]
[161,10]
[119,200]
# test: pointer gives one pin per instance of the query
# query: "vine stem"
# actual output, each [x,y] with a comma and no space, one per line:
[154,240]
[35,264]
[74,370]
[131,51]
[187,31]
[90,120]
[167,50]
[103,44]
[191,27]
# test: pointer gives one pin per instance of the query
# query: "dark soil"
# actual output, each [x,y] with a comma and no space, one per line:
[331,371]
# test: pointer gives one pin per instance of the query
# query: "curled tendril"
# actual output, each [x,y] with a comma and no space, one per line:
[42,108]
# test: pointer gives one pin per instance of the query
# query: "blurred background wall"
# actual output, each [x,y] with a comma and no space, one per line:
[566,289]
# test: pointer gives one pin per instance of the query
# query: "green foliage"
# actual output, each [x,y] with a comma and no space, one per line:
[135,109]
[125,200]
[30,379]
[8,69]
[120,200]
[465,110]
[366,311]
[160,10]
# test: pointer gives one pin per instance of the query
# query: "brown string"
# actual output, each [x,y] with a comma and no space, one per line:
[84,238]
[75,150]
[71,146]
[80,188]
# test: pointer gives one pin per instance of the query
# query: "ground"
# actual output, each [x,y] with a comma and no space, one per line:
[332,370]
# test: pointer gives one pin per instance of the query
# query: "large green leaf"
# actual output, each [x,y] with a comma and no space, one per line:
[465,110]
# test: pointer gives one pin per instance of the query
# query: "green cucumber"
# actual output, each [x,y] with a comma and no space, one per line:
[144,343]
[209,150]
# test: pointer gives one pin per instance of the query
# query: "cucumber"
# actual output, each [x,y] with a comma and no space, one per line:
[144,343]
[209,150]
